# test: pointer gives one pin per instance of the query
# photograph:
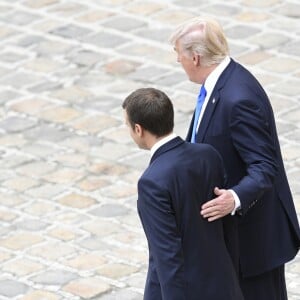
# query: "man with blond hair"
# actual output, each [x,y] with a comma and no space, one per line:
[234,115]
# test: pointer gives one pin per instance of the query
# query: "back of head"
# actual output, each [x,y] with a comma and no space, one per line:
[152,109]
[204,37]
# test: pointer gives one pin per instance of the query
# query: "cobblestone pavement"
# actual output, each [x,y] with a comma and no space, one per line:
[68,222]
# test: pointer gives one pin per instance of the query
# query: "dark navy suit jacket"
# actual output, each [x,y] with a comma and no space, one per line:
[239,123]
[188,259]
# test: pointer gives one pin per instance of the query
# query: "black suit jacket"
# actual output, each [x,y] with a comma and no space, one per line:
[239,123]
[188,259]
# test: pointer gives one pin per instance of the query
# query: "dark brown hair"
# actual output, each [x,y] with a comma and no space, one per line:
[152,109]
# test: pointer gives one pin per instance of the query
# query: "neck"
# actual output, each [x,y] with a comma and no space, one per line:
[205,72]
[152,141]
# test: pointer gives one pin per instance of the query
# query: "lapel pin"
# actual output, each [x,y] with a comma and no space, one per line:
[213,101]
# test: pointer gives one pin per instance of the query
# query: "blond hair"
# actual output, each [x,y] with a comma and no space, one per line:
[204,37]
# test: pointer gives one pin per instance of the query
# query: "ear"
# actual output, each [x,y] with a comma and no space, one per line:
[138,129]
[196,59]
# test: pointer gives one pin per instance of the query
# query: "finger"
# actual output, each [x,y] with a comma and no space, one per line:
[211,213]
[209,210]
[208,204]
[211,219]
[216,205]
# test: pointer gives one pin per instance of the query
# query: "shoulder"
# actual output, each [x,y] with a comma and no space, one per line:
[201,151]
[241,83]
[200,147]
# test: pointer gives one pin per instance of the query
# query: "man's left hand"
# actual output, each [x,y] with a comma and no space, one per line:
[218,207]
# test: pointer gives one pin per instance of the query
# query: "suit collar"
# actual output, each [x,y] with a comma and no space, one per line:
[175,142]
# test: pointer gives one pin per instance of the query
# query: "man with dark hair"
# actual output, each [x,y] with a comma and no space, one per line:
[188,259]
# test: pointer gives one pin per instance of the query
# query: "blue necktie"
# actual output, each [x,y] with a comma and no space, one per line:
[200,101]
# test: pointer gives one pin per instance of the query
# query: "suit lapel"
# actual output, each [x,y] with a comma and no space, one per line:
[209,110]
[213,102]
[166,147]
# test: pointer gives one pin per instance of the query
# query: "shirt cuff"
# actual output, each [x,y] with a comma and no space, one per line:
[237,202]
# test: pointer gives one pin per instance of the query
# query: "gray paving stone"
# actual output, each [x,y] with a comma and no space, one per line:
[40,150]
[54,277]
[121,294]
[16,124]
[94,244]
[170,79]
[4,71]
[124,23]
[92,79]
[137,281]
[31,225]
[6,95]
[103,103]
[285,24]
[156,34]
[68,9]
[4,231]
[29,40]
[86,57]
[50,48]
[36,168]
[148,74]
[4,9]
[71,31]
[46,191]
[270,40]
[139,161]
[109,151]
[222,9]
[45,86]
[18,17]
[292,48]
[106,39]
[290,10]
[81,143]
[241,31]
[20,80]
[190,3]
[292,92]
[6,174]
[294,135]
[110,210]
[284,128]
[11,57]
[12,288]
[46,132]
[294,116]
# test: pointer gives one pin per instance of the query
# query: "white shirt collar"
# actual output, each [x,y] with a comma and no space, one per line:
[213,77]
[162,142]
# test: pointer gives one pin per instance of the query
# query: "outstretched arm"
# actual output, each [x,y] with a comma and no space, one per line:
[252,139]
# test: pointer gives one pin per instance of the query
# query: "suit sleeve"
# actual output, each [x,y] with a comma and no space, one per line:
[252,138]
[159,223]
